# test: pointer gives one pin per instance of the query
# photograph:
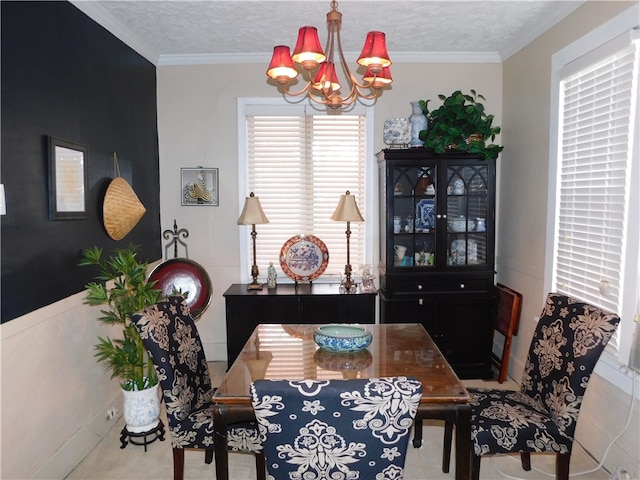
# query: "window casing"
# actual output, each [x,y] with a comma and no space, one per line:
[594,206]
[299,161]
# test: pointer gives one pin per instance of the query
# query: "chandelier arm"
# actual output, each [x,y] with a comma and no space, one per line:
[367,91]
[307,87]
[320,100]
[357,89]
[368,96]
[285,90]
[345,65]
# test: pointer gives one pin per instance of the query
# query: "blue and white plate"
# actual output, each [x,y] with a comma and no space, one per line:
[304,258]
[426,214]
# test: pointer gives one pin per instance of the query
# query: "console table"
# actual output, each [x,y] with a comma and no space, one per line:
[288,303]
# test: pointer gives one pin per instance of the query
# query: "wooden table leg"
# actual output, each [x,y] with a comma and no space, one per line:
[220,442]
[463,442]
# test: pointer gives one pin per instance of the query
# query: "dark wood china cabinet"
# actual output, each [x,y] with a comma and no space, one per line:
[437,217]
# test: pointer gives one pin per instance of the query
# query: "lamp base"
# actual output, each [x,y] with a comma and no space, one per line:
[254,286]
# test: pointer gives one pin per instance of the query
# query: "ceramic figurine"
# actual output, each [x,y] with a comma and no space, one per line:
[271,276]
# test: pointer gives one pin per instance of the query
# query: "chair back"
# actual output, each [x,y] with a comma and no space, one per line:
[506,322]
[566,345]
[170,335]
[356,428]
[507,317]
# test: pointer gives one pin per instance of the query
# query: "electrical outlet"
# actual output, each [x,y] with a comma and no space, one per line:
[620,474]
[112,413]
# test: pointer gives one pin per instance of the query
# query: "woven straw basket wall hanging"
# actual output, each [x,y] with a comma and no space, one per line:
[121,209]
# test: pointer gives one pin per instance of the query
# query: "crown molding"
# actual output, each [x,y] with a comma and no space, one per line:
[99,15]
[539,28]
[263,58]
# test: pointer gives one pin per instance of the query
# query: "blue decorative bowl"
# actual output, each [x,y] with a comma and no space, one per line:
[342,338]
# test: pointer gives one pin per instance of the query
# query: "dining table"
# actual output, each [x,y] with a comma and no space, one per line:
[289,352]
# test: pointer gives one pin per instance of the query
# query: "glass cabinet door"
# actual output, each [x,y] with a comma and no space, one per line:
[414,216]
[466,215]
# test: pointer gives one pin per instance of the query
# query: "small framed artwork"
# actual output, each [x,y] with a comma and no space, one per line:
[199,186]
[68,190]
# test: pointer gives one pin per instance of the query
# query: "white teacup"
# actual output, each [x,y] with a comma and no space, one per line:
[400,251]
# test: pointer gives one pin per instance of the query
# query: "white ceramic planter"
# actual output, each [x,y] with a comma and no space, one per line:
[141,409]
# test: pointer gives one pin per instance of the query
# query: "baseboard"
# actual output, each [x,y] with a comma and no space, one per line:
[215,352]
[63,461]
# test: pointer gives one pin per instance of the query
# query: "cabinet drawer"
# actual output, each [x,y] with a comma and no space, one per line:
[402,286]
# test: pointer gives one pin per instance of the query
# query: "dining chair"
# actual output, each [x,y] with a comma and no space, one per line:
[542,416]
[171,337]
[354,428]
[506,322]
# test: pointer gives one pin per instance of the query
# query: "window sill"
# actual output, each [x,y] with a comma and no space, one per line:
[619,375]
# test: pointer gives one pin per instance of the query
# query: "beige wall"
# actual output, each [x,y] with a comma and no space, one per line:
[197,125]
[54,395]
[522,219]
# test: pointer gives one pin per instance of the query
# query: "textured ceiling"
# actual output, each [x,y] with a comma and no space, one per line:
[172,29]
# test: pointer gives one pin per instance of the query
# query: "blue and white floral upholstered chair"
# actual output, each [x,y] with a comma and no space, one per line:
[542,416]
[322,429]
[170,335]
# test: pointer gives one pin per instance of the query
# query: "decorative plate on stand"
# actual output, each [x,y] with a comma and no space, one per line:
[396,131]
[304,258]
[186,276]
[425,214]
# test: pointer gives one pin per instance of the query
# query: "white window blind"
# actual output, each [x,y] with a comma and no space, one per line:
[299,165]
[598,101]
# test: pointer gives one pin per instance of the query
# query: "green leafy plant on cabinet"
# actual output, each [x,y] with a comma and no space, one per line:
[462,124]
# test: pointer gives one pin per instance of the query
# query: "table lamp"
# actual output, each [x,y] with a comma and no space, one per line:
[347,211]
[252,214]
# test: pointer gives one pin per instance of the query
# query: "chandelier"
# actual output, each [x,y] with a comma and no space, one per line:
[319,68]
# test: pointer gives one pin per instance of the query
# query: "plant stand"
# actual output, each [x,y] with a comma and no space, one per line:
[157,433]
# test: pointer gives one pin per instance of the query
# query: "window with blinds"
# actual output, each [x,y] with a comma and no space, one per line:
[598,98]
[299,164]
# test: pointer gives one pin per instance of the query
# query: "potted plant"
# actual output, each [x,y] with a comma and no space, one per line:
[122,285]
[461,124]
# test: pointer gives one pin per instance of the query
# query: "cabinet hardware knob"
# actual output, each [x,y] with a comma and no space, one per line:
[462,286]
[420,301]
[419,287]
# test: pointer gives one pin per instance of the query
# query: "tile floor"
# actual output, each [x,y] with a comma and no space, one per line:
[108,462]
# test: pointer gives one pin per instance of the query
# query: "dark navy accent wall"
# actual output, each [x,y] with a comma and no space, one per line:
[66,76]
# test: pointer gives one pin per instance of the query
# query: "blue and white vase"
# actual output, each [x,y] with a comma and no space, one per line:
[418,121]
[141,409]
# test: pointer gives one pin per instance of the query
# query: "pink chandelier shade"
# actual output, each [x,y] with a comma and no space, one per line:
[308,51]
[374,54]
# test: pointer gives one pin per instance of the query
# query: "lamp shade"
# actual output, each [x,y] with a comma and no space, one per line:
[347,210]
[379,80]
[252,213]
[308,47]
[281,67]
[326,78]
[374,53]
